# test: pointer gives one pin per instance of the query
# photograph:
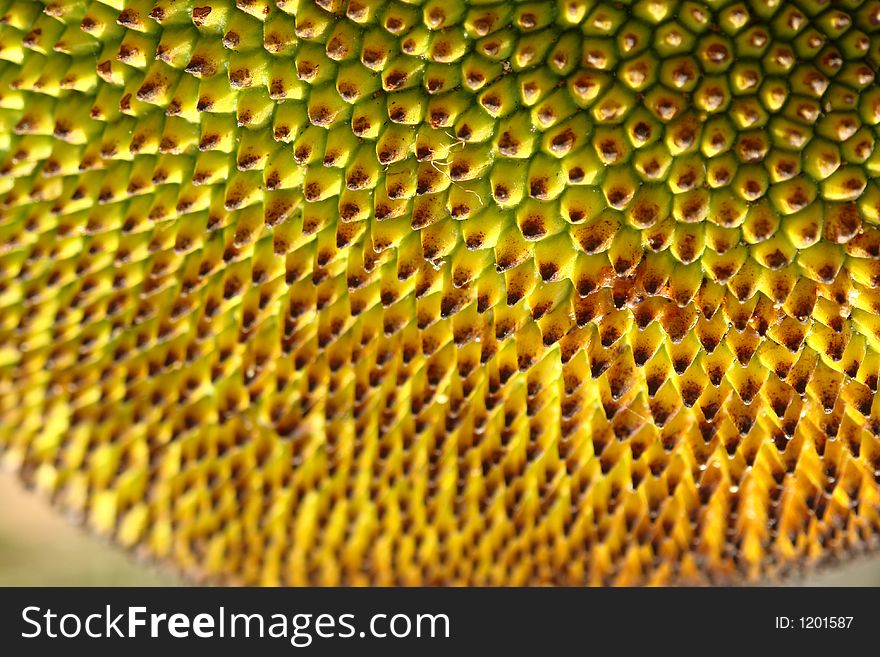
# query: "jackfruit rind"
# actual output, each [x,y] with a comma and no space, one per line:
[367,292]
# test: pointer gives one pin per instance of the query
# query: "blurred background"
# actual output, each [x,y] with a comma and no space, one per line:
[39,547]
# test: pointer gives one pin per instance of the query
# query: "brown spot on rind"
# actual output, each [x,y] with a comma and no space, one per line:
[507,144]
[395,80]
[199,14]
[533,227]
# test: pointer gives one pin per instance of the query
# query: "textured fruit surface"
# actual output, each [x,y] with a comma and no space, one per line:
[446,292]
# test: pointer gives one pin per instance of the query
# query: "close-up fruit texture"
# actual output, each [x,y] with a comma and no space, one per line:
[446,291]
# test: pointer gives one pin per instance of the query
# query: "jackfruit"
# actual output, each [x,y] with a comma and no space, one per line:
[422,292]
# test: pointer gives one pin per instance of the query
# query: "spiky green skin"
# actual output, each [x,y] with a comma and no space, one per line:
[461,293]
